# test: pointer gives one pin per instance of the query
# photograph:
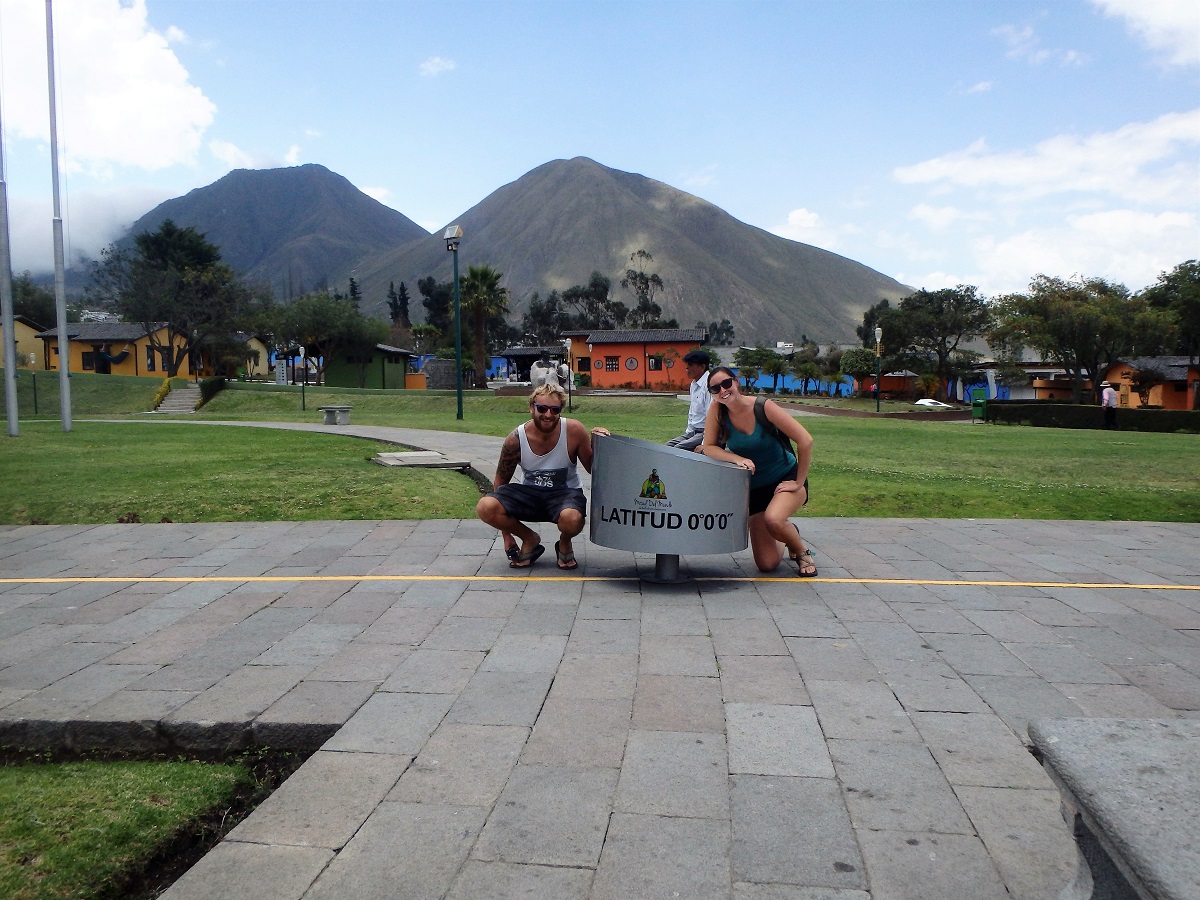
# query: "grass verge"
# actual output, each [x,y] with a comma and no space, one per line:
[95,829]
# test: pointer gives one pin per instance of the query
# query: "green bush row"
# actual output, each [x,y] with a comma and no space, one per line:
[1070,415]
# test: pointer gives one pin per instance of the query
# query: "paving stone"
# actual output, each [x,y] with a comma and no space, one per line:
[793,831]
[752,637]
[604,636]
[661,620]
[579,732]
[794,619]
[762,679]
[746,891]
[525,653]
[866,710]
[920,866]
[324,802]
[942,691]
[434,671]
[501,698]
[361,661]
[979,749]
[668,773]
[549,815]
[46,668]
[277,872]
[463,633]
[309,645]
[540,618]
[896,787]
[677,655]
[1170,685]
[772,739]
[311,712]
[978,654]
[241,696]
[509,881]
[392,723]
[465,765]
[1020,700]
[670,703]
[596,676]
[1122,701]
[1064,663]
[1024,833]
[420,846]
[486,604]
[831,659]
[660,856]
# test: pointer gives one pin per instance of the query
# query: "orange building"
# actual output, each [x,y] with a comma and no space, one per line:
[646,359]
[112,348]
[1170,381]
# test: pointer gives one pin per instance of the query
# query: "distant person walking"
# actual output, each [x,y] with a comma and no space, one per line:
[1108,399]
[696,363]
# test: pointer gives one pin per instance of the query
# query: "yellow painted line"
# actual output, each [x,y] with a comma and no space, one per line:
[745,579]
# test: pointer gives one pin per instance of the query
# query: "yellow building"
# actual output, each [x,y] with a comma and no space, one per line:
[26,331]
[114,348]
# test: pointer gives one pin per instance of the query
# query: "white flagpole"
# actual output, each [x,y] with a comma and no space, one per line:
[60,278]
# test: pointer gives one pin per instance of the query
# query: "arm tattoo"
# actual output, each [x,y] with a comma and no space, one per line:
[510,455]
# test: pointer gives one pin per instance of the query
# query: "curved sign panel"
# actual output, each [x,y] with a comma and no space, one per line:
[655,499]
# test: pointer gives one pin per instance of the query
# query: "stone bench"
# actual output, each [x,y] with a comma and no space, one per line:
[336,415]
[1131,795]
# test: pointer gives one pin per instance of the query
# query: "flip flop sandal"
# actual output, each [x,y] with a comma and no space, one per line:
[526,560]
[566,561]
[512,553]
[803,559]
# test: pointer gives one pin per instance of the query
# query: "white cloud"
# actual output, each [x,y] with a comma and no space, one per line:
[980,87]
[377,193]
[704,177]
[143,113]
[1169,26]
[436,65]
[940,218]
[1024,45]
[1141,162]
[230,154]
[292,157]
[806,226]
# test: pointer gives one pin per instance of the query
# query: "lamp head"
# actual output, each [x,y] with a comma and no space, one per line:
[878,334]
[452,236]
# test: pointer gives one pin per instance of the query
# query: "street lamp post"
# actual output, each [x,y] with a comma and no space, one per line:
[452,236]
[878,355]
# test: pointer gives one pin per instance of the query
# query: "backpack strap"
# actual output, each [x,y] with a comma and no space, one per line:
[760,413]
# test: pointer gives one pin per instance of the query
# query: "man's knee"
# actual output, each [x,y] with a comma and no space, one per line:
[489,509]
[570,521]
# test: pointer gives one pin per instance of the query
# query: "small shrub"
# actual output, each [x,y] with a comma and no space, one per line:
[161,394]
[209,388]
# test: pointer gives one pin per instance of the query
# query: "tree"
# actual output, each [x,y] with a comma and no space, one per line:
[398,305]
[33,301]
[172,277]
[644,285]
[1179,292]
[775,365]
[720,334]
[327,325]
[935,323]
[858,363]
[482,298]
[750,361]
[1084,325]
[439,304]
[806,370]
[355,295]
[866,331]
[544,320]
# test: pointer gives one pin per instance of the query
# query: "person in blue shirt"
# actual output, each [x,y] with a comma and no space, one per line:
[778,478]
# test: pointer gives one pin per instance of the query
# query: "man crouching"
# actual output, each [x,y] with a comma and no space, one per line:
[548,449]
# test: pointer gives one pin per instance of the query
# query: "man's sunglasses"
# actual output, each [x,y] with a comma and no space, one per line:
[723,385]
[542,408]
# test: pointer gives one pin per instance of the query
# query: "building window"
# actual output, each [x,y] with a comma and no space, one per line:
[89,362]
[150,358]
[654,363]
[612,364]
[583,363]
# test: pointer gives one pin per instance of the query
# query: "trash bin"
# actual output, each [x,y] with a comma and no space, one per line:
[978,411]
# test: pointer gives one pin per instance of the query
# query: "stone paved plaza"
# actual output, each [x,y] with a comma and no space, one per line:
[490,733]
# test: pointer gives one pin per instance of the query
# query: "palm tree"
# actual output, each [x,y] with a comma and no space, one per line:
[806,371]
[482,298]
[775,365]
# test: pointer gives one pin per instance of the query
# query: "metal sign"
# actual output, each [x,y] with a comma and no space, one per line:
[650,498]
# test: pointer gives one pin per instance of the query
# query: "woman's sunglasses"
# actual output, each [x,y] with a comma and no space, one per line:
[717,386]
[542,408]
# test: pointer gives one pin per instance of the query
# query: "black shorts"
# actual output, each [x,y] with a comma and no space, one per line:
[534,504]
[760,497]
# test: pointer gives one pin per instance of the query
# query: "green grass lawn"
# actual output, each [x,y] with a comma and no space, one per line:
[872,467]
[84,829]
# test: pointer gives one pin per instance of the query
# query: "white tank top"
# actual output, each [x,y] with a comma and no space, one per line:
[550,470]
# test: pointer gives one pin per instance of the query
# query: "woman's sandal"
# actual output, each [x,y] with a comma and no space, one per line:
[803,559]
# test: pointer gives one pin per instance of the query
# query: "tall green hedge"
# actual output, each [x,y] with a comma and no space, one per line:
[1047,414]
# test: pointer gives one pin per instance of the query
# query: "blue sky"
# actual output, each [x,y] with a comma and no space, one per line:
[939,142]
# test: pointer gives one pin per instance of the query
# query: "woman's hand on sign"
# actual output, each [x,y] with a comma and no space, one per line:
[745,464]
